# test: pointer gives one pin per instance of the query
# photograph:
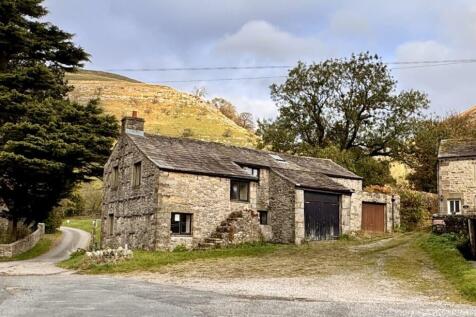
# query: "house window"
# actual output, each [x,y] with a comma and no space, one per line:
[253,171]
[454,206]
[136,176]
[110,224]
[181,223]
[115,177]
[263,217]
[239,190]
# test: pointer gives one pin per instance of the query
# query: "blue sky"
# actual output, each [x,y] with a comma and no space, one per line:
[122,34]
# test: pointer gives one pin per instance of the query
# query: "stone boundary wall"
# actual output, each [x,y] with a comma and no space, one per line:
[23,245]
[390,201]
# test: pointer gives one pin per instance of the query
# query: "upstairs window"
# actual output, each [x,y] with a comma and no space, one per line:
[115,177]
[181,223]
[253,171]
[454,206]
[239,190]
[136,174]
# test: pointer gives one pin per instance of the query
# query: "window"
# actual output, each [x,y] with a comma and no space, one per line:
[239,190]
[278,158]
[136,176]
[263,217]
[115,177]
[110,224]
[454,206]
[253,171]
[181,223]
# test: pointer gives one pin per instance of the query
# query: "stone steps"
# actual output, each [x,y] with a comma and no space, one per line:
[221,233]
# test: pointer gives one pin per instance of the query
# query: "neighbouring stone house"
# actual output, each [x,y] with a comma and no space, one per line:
[161,192]
[457,176]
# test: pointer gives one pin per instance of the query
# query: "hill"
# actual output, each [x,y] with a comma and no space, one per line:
[166,111]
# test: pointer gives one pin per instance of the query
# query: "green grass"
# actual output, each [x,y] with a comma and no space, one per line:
[449,261]
[43,246]
[84,223]
[153,261]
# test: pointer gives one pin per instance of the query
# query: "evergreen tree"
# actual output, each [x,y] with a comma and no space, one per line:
[48,144]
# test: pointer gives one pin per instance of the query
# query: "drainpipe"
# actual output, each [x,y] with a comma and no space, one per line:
[393,213]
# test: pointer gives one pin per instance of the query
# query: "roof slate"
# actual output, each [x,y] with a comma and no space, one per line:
[211,158]
[457,148]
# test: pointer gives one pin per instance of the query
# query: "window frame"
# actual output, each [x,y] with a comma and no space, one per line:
[115,177]
[247,183]
[180,233]
[266,217]
[454,204]
[249,168]
[137,174]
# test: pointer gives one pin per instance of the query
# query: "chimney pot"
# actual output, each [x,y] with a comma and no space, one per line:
[134,114]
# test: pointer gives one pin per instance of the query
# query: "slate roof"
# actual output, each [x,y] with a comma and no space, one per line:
[452,148]
[211,158]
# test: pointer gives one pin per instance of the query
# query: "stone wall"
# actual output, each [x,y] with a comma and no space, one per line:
[131,209]
[23,245]
[457,180]
[299,231]
[390,202]
[351,205]
[281,213]
[207,198]
[263,190]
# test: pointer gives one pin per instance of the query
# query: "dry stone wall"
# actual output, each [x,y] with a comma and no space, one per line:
[23,245]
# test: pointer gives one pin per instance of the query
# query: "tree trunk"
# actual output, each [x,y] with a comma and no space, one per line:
[13,228]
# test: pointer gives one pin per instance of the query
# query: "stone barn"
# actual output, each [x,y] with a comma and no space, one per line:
[162,192]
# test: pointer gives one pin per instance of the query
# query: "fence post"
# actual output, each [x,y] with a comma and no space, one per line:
[472,236]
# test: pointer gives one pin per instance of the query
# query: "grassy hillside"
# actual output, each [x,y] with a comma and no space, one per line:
[166,111]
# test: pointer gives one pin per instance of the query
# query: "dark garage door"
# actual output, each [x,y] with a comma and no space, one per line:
[321,216]
[373,217]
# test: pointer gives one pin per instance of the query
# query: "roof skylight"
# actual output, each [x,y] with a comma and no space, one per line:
[277,158]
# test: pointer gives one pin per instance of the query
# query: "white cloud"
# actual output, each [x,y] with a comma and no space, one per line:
[263,41]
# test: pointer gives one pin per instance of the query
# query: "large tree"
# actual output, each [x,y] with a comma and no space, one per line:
[422,153]
[47,143]
[351,104]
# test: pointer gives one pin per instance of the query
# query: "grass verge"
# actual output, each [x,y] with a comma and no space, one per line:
[443,250]
[153,261]
[43,246]
[85,224]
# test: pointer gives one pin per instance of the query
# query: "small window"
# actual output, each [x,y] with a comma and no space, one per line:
[239,190]
[115,177]
[110,224]
[277,158]
[181,223]
[136,177]
[263,217]
[454,206]
[253,171]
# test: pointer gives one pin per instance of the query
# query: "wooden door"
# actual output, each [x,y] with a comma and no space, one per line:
[321,216]
[373,217]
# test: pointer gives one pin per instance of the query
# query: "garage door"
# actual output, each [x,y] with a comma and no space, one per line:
[321,216]
[373,217]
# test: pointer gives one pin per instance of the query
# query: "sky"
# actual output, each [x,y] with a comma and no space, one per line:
[151,34]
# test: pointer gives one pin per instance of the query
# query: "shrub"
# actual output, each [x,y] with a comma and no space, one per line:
[54,220]
[187,133]
[416,209]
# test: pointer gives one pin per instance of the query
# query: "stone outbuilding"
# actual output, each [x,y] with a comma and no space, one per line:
[457,176]
[162,192]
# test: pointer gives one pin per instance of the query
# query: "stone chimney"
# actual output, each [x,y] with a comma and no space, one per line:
[133,125]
